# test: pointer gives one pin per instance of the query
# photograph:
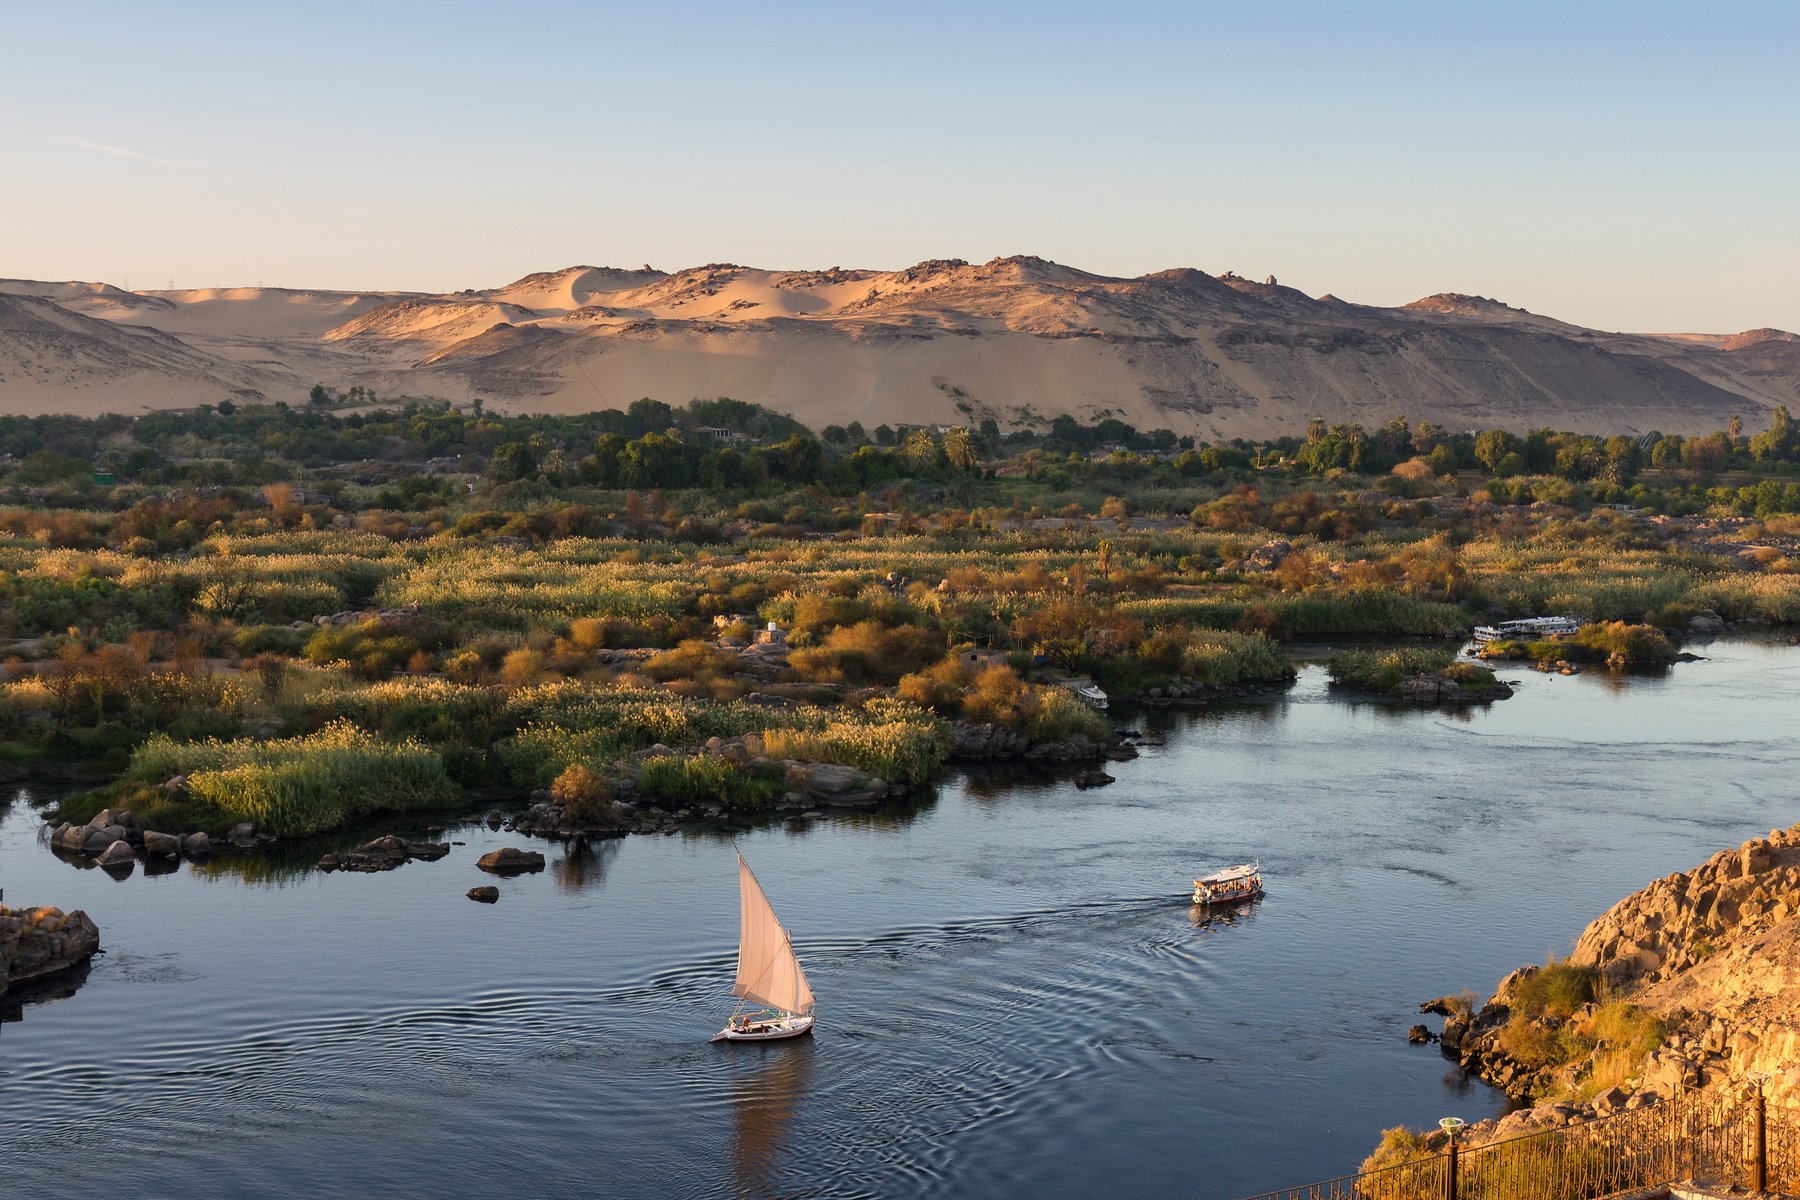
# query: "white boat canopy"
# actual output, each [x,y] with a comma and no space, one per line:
[1230,874]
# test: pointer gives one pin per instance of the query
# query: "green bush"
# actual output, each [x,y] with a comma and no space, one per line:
[1220,658]
[1555,989]
[709,778]
[1637,647]
[889,738]
[1382,671]
[373,649]
[290,786]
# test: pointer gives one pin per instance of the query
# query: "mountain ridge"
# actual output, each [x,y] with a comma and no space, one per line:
[1018,338]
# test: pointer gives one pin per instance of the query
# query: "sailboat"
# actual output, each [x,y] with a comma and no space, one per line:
[767,973]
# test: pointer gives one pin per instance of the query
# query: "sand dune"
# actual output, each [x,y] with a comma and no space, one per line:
[53,359]
[1016,338]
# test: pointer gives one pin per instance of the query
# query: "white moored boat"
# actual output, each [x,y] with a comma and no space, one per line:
[1233,885]
[767,973]
[1091,694]
[1528,629]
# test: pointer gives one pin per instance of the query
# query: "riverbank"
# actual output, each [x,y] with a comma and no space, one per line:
[1690,984]
[1000,953]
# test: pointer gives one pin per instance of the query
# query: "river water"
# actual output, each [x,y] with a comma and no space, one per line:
[1014,995]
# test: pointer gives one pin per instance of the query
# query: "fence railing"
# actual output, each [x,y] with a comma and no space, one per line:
[1725,1142]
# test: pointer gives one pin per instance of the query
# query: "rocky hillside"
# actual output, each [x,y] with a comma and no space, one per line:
[1692,982]
[1018,339]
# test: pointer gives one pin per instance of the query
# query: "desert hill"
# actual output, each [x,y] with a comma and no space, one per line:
[54,359]
[1017,339]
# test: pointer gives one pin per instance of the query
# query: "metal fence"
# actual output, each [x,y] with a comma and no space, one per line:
[1738,1142]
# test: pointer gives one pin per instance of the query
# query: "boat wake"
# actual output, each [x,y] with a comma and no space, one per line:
[930,1039]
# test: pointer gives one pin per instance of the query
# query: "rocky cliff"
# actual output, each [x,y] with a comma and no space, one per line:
[1692,982]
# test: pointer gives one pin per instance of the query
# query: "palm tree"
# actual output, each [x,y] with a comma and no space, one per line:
[960,452]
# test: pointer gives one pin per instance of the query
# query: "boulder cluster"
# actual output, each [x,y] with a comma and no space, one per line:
[1681,919]
[116,839]
[1435,689]
[36,943]
[1713,952]
[1186,693]
[384,854]
[995,741]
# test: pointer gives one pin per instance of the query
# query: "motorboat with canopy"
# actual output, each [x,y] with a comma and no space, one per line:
[1233,885]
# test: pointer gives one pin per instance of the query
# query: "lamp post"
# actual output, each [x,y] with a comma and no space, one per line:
[1450,1125]
[1759,1135]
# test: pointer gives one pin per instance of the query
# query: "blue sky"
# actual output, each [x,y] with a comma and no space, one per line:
[1624,165]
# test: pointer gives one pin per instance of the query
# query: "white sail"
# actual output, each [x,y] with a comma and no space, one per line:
[767,972]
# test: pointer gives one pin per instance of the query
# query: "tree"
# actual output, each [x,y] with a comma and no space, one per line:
[511,461]
[837,435]
[1621,460]
[318,397]
[884,435]
[1705,453]
[1105,559]
[649,416]
[961,454]
[1777,441]
[921,448]
[1492,446]
[1666,452]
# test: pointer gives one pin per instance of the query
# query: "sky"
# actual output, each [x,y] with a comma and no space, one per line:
[1630,165]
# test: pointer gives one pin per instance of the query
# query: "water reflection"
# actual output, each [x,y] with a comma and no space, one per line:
[1213,916]
[584,863]
[34,992]
[763,1104]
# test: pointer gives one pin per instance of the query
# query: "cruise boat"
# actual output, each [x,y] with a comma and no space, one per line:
[1528,629]
[1091,694]
[1233,885]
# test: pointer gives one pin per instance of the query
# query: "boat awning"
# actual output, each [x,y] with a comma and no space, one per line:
[1230,874]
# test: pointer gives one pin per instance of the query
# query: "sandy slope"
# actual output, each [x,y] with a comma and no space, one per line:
[55,360]
[1014,338]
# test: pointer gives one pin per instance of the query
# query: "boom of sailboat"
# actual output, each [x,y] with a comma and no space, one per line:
[768,973]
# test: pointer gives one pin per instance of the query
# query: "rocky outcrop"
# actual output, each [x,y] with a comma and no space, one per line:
[1076,749]
[1435,689]
[484,895]
[510,860]
[384,854]
[1713,953]
[835,785]
[987,740]
[1188,693]
[36,943]
[546,818]
[115,838]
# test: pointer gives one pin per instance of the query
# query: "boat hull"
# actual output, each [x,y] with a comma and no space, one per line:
[1223,901]
[766,1031]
